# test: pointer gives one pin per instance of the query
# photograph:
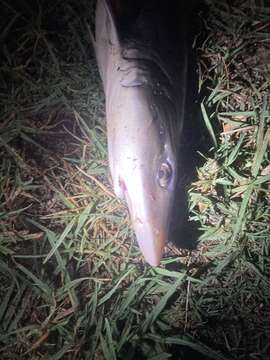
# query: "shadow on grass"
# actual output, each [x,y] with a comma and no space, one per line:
[184,233]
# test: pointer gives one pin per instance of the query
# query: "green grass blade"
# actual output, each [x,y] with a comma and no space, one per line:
[208,125]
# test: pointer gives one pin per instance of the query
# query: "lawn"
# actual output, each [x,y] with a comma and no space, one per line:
[73,282]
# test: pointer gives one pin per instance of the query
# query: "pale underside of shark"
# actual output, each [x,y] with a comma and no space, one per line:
[143,67]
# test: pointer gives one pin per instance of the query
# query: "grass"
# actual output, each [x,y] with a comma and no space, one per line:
[74,284]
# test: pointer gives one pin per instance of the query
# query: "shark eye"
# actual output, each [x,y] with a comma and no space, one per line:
[165,173]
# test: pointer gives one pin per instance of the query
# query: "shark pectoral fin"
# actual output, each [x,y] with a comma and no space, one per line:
[110,22]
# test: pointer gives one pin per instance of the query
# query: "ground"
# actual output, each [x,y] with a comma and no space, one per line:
[74,284]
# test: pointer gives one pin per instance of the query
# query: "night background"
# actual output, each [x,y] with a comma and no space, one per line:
[73,282]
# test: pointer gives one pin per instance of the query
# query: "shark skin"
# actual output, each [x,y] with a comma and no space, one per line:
[142,60]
